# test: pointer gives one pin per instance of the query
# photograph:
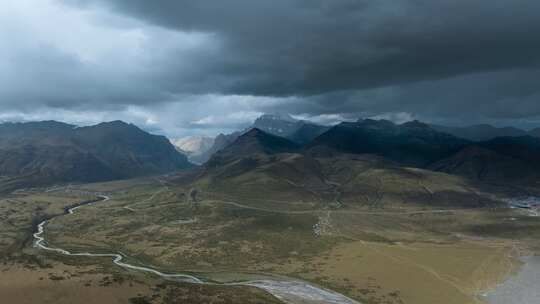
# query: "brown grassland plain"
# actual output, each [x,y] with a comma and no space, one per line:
[29,276]
[417,255]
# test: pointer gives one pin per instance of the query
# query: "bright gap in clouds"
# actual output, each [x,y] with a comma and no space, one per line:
[189,115]
[109,67]
[52,55]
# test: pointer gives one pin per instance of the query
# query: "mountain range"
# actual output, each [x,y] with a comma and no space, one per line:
[304,132]
[411,144]
[48,152]
[502,159]
[483,132]
[298,131]
[266,169]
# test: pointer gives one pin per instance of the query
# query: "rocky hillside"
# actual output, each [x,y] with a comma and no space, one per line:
[55,152]
[503,159]
[298,131]
[412,143]
[481,132]
[264,169]
[252,142]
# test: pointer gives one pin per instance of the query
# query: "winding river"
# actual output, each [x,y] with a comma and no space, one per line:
[289,291]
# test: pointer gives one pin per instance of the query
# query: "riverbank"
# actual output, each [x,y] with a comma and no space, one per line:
[301,292]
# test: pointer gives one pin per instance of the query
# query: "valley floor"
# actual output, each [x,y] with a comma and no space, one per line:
[64,284]
[413,255]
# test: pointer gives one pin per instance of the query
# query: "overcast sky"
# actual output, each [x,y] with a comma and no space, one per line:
[181,67]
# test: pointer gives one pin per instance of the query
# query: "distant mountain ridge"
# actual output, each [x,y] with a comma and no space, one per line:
[535,132]
[280,125]
[437,142]
[412,143]
[252,142]
[56,152]
[484,132]
[259,166]
[50,151]
[298,131]
[502,159]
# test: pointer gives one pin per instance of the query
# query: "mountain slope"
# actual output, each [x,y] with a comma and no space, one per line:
[269,171]
[482,132]
[51,152]
[252,142]
[294,181]
[503,159]
[128,150]
[483,164]
[298,131]
[412,143]
[279,125]
[526,148]
[535,132]
[307,132]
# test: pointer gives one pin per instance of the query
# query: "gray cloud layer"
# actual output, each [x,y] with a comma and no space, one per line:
[288,47]
[457,60]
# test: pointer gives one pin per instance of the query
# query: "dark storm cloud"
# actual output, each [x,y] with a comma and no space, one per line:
[502,97]
[190,65]
[309,47]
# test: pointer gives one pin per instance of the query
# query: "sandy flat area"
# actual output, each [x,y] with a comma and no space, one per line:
[64,285]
